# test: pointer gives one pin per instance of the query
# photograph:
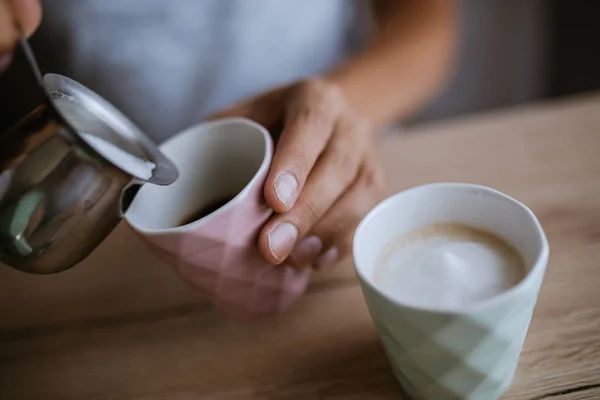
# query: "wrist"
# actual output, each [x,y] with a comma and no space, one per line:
[355,98]
[368,89]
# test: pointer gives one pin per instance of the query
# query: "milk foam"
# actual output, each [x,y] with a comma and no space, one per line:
[448,266]
[126,161]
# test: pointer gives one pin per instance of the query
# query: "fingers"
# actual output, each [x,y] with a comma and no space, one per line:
[332,174]
[309,122]
[27,14]
[336,229]
[329,238]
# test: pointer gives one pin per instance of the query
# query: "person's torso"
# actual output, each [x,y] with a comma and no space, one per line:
[166,64]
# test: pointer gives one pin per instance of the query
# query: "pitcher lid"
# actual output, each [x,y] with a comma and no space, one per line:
[107,132]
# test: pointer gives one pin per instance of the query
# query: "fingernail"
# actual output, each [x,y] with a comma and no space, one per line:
[286,188]
[307,251]
[282,240]
[328,258]
[5,60]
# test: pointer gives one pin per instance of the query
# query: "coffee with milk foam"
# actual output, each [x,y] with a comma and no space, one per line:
[447,266]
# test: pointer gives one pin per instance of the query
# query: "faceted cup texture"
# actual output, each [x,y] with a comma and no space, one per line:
[220,258]
[445,356]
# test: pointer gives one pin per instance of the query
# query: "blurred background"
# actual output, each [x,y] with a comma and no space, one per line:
[519,51]
[512,52]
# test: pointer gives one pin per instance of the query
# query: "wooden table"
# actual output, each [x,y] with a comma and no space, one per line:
[122,326]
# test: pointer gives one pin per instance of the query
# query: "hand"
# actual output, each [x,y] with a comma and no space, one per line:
[325,175]
[27,14]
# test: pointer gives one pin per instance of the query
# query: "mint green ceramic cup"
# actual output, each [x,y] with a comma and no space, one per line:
[438,354]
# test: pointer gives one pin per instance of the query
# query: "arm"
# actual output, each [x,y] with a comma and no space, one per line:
[326,173]
[407,61]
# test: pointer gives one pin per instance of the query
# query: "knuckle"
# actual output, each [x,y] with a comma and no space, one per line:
[309,113]
[359,128]
[373,177]
[343,218]
[324,93]
[330,229]
[345,162]
[317,85]
[313,84]
[311,210]
[308,212]
[332,93]
[362,124]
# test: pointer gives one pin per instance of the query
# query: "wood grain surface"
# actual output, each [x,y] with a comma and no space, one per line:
[122,326]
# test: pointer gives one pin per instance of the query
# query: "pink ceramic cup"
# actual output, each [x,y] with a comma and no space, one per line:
[217,253]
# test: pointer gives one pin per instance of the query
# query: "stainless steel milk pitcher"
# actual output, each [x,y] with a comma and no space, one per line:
[59,195]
